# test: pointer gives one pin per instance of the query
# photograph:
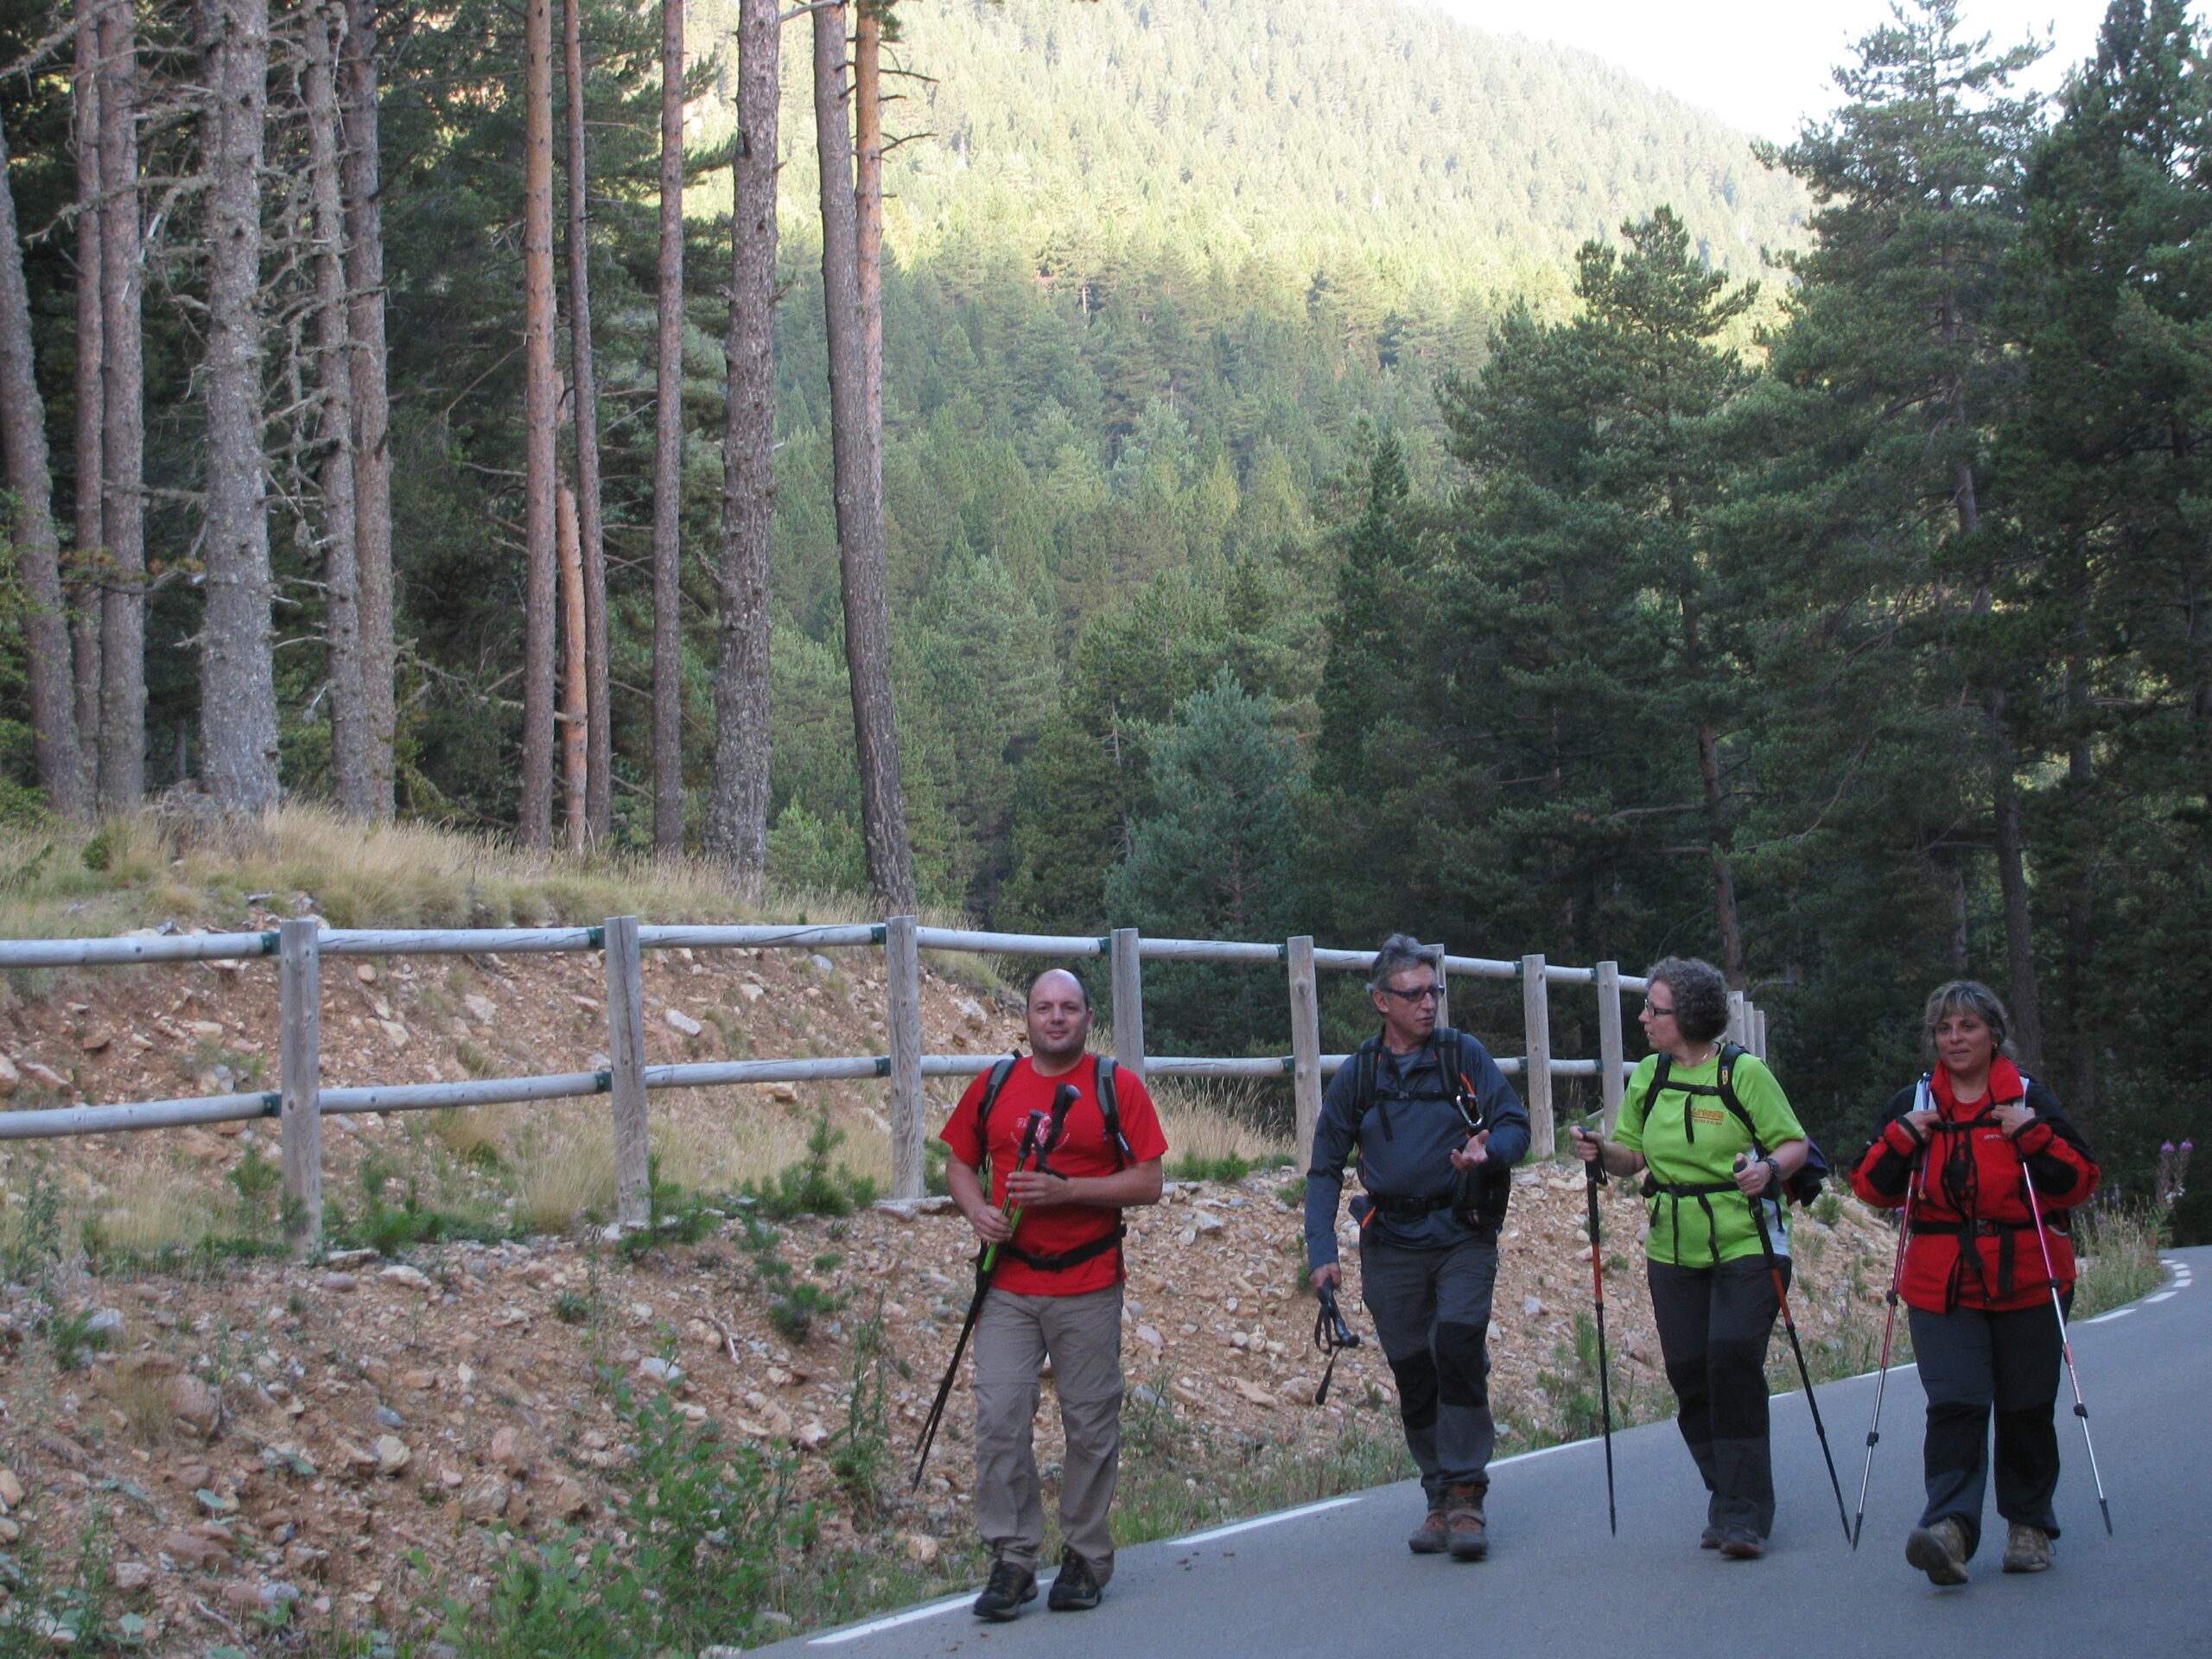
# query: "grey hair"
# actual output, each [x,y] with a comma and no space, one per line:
[1967,997]
[1701,995]
[1399,952]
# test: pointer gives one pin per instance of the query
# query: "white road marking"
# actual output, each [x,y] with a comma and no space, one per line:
[1236,1527]
[911,1616]
[2163,1296]
[2106,1319]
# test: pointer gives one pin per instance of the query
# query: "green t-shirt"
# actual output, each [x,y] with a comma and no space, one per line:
[1693,1139]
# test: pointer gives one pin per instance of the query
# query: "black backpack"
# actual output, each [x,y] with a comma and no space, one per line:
[1803,1187]
[1480,1195]
[1109,1106]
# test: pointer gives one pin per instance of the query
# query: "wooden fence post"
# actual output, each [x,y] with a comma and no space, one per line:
[1739,1029]
[1610,1052]
[902,979]
[1305,1047]
[1436,956]
[1537,1079]
[625,1052]
[299,1003]
[1127,966]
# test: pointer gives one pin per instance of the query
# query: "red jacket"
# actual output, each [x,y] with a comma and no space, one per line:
[1973,1241]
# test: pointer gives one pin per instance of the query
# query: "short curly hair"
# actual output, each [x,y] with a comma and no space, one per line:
[1701,995]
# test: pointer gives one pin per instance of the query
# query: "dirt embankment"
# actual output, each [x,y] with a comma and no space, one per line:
[364,1437]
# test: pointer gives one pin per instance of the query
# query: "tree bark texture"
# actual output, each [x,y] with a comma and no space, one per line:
[858,492]
[237,690]
[599,740]
[668,450]
[867,220]
[361,181]
[38,547]
[737,805]
[2013,888]
[324,28]
[575,723]
[84,591]
[540,411]
[123,507]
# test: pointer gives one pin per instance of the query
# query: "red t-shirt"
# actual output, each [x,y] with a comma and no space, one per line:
[1082,1151]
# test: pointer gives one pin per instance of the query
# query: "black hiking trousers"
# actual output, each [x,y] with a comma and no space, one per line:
[1431,1310]
[1713,1324]
[1977,1366]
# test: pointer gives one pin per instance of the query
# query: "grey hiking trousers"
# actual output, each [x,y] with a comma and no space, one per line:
[1083,1336]
[1431,1310]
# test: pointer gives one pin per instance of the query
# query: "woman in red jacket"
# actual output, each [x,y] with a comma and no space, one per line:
[1955,1152]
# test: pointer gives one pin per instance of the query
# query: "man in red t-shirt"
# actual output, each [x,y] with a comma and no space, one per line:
[1057,1293]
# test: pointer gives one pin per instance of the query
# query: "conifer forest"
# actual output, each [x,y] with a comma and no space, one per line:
[1222,468]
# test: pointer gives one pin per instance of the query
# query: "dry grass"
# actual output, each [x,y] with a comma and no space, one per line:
[562,1164]
[144,1400]
[1210,1124]
[474,1134]
[159,1207]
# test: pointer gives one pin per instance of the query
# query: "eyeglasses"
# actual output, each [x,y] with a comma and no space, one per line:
[1655,1011]
[1419,993]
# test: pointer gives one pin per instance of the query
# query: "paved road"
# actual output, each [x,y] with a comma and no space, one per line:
[1336,1580]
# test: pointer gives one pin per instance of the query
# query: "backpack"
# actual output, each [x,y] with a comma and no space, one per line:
[1803,1187]
[1480,1195]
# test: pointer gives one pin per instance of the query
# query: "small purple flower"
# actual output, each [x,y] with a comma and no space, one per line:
[2168,1148]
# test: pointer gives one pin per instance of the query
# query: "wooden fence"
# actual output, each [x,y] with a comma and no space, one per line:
[301,1101]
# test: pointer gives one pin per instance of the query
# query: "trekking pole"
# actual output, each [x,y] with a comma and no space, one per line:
[987,1263]
[2065,1342]
[1804,1373]
[1594,1176]
[1331,1335]
[1889,1326]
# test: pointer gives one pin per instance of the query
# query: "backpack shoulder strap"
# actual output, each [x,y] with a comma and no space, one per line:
[1729,1054]
[1109,1106]
[994,1081]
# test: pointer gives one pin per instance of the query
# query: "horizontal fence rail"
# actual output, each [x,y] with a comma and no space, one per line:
[301,1101]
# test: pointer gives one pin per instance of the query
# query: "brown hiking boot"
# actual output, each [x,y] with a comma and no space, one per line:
[2027,1549]
[1939,1551]
[1463,1523]
[1431,1537]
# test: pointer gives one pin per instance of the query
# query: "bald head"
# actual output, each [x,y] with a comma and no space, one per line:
[1059,1020]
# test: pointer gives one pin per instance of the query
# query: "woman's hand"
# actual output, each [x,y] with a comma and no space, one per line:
[2014,1117]
[1038,1189]
[1477,1151]
[1922,1124]
[1754,1176]
[1588,1143]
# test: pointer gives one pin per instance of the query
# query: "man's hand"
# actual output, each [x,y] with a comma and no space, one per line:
[1477,1151]
[1327,1276]
[1037,1189]
[990,1223]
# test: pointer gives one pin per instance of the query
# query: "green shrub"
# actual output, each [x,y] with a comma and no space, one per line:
[811,1186]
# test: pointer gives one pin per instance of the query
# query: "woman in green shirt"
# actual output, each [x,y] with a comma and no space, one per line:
[1712,1294]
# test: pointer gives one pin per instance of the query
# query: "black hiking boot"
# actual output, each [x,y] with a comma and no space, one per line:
[1075,1589]
[1463,1523]
[1011,1585]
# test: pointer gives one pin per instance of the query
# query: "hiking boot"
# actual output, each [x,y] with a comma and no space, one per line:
[1939,1551]
[2027,1549]
[1742,1544]
[1011,1585]
[1075,1589]
[1709,1538]
[1463,1523]
[1431,1537]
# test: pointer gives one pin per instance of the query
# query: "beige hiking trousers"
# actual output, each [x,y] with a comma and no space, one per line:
[1082,1336]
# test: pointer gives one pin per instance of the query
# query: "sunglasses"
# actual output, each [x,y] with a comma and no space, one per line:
[1419,993]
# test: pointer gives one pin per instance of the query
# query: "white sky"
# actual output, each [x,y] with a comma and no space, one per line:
[1759,65]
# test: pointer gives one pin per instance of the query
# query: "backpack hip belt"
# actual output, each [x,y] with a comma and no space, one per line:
[1066,1259]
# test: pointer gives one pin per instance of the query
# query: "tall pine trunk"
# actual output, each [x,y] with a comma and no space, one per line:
[867,220]
[737,805]
[362,180]
[540,411]
[85,593]
[668,450]
[237,690]
[575,721]
[325,27]
[599,736]
[38,548]
[857,483]
[122,507]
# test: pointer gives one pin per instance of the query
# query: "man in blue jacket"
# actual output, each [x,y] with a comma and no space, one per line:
[1438,1130]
